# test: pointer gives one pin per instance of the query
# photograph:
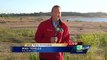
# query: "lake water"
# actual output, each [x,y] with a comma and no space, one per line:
[89,19]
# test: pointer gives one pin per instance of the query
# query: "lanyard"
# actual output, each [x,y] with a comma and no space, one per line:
[58,27]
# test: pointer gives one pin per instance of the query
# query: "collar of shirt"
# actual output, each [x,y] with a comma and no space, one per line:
[55,24]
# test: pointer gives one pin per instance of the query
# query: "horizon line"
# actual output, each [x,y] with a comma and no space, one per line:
[50,12]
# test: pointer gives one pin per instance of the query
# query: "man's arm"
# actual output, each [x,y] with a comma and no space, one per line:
[66,36]
[39,35]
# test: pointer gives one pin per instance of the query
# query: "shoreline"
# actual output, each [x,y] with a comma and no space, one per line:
[33,22]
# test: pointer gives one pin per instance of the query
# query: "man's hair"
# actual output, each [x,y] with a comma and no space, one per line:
[55,6]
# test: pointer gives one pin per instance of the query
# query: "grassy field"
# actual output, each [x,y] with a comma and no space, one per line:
[14,31]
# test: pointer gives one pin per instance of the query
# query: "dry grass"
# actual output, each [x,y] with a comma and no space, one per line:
[19,24]
[33,22]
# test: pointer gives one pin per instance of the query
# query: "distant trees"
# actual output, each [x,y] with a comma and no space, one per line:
[4,15]
[63,14]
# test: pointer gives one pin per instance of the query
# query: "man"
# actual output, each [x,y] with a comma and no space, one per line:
[53,30]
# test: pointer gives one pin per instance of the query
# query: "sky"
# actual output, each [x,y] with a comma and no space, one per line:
[31,6]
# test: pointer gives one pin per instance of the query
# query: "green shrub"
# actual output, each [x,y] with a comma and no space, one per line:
[17,35]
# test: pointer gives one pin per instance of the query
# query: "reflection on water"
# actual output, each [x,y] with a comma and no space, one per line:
[90,19]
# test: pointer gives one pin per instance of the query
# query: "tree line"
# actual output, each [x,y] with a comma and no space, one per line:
[93,14]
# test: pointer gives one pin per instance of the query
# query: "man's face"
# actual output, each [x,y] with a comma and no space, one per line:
[56,13]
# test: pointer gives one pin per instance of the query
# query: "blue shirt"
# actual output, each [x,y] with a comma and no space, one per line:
[55,24]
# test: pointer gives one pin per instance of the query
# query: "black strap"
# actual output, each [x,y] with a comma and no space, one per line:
[58,28]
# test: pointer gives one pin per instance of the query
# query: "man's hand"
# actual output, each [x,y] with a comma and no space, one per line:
[54,39]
